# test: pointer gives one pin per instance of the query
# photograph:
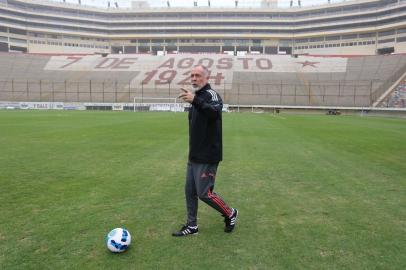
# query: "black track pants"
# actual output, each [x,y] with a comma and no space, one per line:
[199,184]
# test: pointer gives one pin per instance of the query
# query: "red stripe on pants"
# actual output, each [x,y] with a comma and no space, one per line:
[217,200]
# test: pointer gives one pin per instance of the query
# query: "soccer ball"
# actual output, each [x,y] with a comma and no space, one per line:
[118,240]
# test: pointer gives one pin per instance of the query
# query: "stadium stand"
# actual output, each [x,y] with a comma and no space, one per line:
[27,77]
[397,99]
[338,54]
[361,27]
[364,79]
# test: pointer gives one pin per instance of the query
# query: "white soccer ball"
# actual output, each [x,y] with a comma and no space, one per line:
[118,240]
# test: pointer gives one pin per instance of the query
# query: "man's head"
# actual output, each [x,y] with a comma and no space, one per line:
[199,77]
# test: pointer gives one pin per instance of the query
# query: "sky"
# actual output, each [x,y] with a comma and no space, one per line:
[200,3]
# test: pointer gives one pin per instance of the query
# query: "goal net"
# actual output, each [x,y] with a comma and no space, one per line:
[157,104]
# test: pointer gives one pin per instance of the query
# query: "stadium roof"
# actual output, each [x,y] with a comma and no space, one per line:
[199,3]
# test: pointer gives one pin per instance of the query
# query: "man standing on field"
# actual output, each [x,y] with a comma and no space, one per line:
[205,152]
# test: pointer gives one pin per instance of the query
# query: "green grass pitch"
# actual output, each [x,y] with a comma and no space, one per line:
[314,192]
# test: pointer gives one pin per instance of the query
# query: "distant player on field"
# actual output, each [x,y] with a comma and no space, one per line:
[205,152]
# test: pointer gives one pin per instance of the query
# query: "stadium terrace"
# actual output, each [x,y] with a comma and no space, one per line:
[348,28]
[332,56]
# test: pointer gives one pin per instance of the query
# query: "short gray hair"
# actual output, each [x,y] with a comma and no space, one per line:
[205,69]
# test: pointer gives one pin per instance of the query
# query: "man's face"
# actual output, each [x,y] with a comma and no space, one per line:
[198,78]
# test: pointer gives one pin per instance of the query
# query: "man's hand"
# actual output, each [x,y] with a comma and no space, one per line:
[186,95]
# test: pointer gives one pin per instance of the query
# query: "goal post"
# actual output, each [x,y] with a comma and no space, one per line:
[157,104]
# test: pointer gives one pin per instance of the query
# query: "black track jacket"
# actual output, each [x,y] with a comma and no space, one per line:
[205,127]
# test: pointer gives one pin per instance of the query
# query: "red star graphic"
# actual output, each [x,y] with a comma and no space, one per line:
[308,63]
